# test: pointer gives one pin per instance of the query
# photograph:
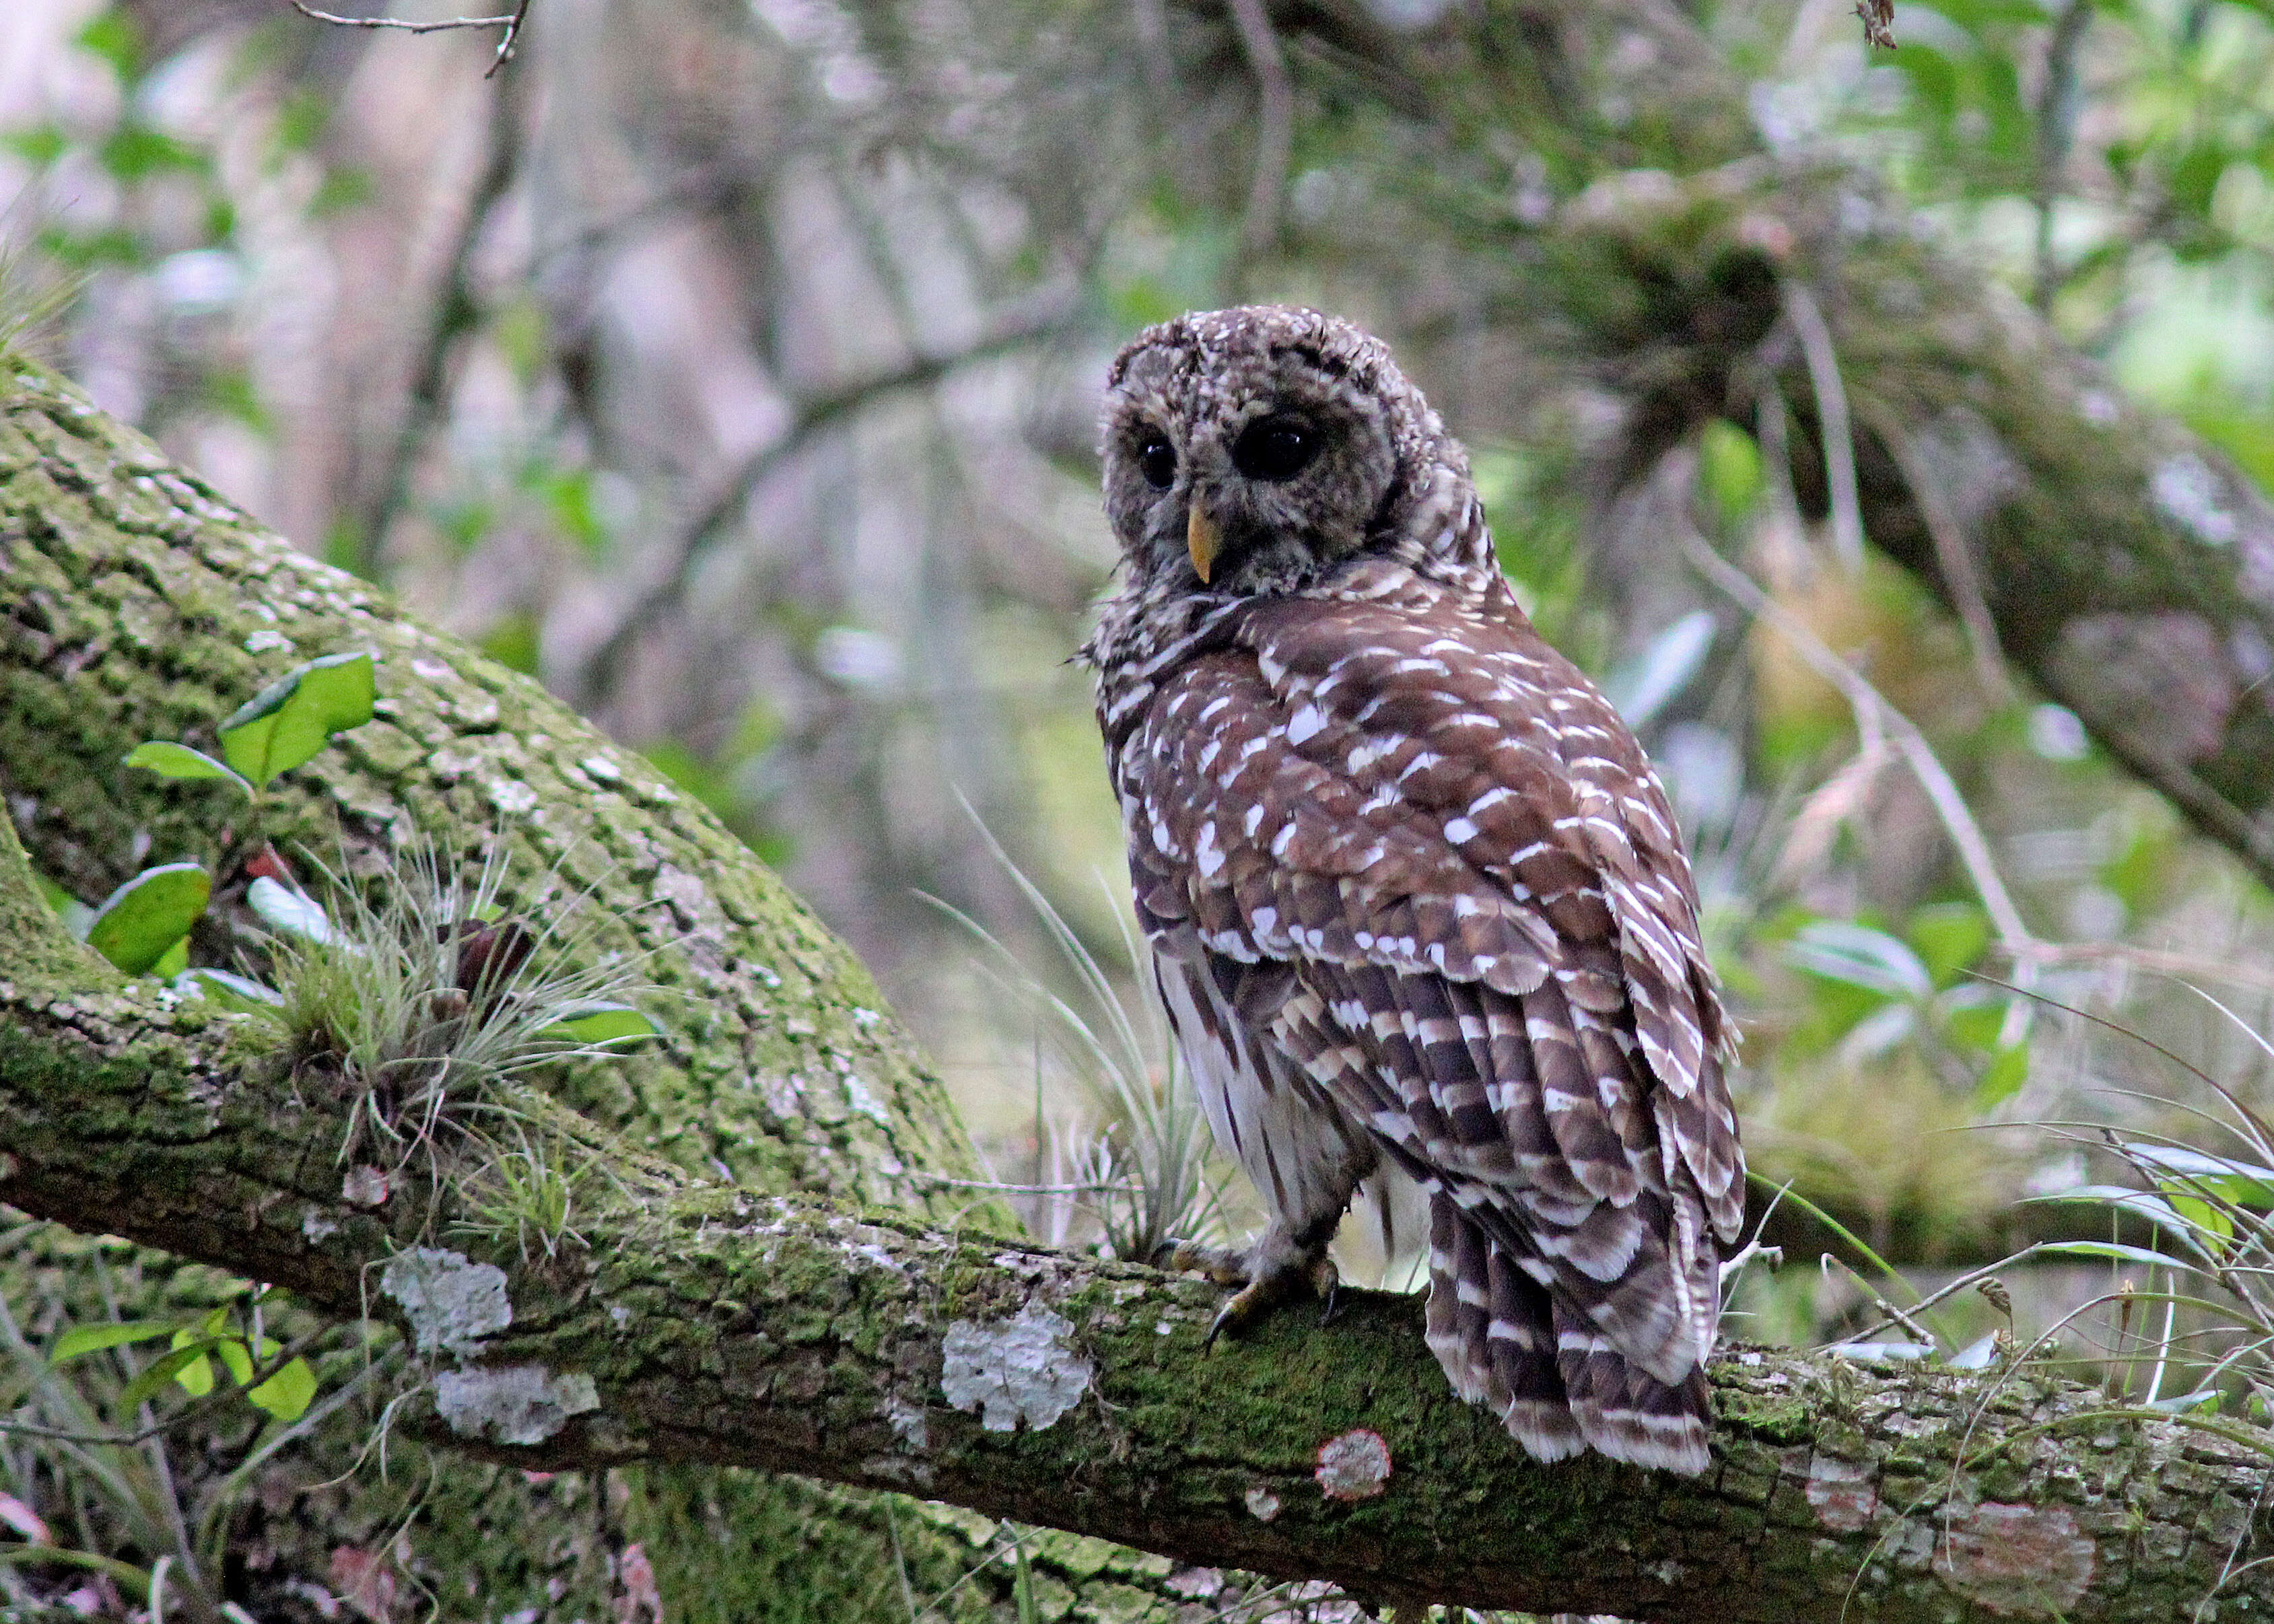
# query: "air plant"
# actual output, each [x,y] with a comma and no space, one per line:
[1145,1176]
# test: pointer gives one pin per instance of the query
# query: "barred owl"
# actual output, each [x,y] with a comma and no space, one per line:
[1415,899]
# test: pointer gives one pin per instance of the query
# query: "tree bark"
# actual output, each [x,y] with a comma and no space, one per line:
[697,1322]
[786,1318]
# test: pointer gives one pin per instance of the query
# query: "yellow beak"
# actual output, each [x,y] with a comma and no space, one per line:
[1200,540]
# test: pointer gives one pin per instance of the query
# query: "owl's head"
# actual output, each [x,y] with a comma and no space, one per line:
[1252,450]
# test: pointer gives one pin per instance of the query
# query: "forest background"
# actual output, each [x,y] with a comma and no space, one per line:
[732,370]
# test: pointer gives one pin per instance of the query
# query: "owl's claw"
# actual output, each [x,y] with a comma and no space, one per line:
[1271,1272]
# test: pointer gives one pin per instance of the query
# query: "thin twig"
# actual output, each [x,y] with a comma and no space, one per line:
[453,312]
[1957,818]
[511,23]
[2178,966]
[1274,124]
[1919,1333]
[1831,421]
[692,547]
[2056,129]
[1952,553]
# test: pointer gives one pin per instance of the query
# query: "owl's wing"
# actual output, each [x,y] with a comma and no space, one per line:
[1455,843]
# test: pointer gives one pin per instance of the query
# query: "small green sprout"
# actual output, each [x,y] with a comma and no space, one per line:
[149,917]
[144,927]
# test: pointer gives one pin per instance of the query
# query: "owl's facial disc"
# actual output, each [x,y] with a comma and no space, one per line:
[1256,489]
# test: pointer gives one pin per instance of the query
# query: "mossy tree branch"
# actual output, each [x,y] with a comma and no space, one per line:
[700,1322]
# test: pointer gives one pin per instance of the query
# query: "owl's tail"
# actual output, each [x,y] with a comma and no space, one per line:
[1557,1385]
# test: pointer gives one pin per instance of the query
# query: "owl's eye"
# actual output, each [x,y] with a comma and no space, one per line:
[1156,460]
[1274,449]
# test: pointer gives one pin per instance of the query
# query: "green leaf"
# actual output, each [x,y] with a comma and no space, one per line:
[238,1356]
[169,760]
[237,994]
[2200,1212]
[2003,1078]
[296,715]
[1948,937]
[139,922]
[287,1393]
[114,36]
[85,1339]
[1975,1023]
[1729,463]
[604,1023]
[135,152]
[196,1378]
[2116,1251]
[162,1370]
[1841,950]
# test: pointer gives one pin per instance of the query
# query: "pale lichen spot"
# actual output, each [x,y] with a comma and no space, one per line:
[1195,1583]
[265,640]
[601,768]
[2187,493]
[858,1098]
[1262,1504]
[908,1426]
[450,1301]
[511,796]
[512,1404]
[1354,1465]
[2023,1562]
[1013,1369]
[1842,1493]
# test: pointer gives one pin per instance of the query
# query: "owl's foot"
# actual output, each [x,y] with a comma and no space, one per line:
[1276,1270]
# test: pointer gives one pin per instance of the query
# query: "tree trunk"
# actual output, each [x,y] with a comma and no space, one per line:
[135,603]
[764,1321]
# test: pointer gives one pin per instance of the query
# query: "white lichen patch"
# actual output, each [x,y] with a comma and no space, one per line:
[511,796]
[1262,1504]
[688,895]
[1013,1369]
[858,1098]
[451,1302]
[263,640]
[512,1404]
[317,1228]
[601,768]
[1354,1465]
[1195,1583]
[908,1426]
[2187,493]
